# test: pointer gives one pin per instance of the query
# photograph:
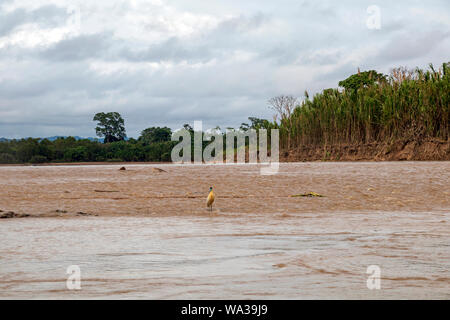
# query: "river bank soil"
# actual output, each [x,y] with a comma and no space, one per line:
[401,150]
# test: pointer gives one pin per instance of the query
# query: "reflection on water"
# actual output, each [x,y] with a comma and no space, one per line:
[228,256]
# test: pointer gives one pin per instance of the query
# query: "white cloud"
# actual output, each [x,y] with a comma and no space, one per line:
[169,62]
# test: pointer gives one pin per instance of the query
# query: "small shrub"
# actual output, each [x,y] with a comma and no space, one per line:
[38,159]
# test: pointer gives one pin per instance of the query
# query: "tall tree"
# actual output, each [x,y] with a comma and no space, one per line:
[110,126]
[258,123]
[362,79]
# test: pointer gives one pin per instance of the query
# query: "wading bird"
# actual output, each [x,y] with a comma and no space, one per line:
[210,199]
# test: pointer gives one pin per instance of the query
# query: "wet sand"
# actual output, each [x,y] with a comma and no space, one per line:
[153,237]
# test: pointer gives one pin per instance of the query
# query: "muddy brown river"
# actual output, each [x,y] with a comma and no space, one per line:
[142,233]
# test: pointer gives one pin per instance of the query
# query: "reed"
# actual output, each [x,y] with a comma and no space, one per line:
[407,104]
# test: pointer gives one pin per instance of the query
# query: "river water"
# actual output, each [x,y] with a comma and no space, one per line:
[289,253]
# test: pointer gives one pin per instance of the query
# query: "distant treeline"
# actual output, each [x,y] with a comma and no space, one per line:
[154,145]
[70,150]
[371,107]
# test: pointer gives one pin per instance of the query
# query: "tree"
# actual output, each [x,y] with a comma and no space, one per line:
[244,126]
[155,134]
[188,127]
[7,158]
[38,159]
[79,153]
[258,123]
[362,79]
[110,126]
[27,148]
[284,106]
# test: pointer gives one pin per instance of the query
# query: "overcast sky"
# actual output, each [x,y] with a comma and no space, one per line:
[170,62]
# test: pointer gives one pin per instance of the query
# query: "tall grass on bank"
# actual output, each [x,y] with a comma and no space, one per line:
[408,104]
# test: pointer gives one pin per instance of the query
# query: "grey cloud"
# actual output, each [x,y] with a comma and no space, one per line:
[9,22]
[320,9]
[173,49]
[55,90]
[321,58]
[79,48]
[227,36]
[73,95]
[242,23]
[48,16]
[408,46]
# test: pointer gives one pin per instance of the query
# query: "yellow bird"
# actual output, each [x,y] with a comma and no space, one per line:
[210,199]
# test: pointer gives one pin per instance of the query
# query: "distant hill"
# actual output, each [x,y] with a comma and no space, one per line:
[76,138]
[56,137]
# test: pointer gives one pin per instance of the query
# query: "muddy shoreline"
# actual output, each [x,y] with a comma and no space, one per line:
[181,190]
[102,163]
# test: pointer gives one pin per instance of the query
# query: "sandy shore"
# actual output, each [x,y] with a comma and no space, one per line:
[141,190]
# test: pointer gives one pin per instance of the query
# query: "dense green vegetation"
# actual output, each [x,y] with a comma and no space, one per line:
[372,108]
[154,144]
[71,150]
